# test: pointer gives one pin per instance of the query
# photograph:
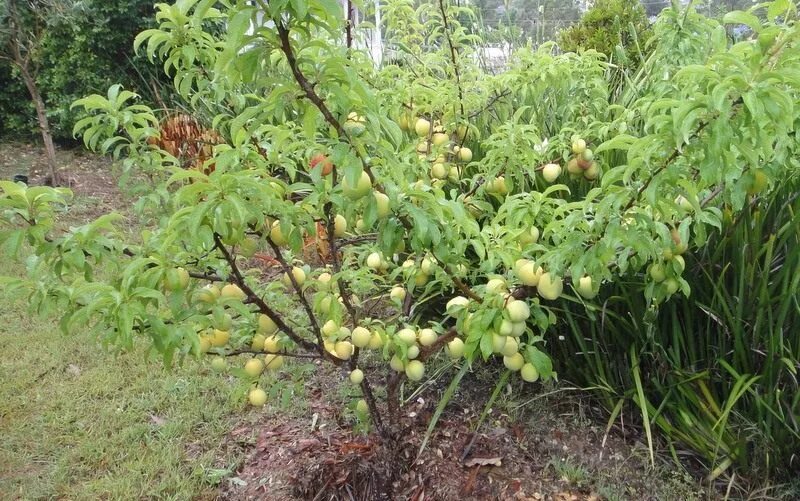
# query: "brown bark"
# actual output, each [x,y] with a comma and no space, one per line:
[44,124]
[19,45]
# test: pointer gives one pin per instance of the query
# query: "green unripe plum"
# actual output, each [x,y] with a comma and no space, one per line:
[514,362]
[276,235]
[398,293]
[330,328]
[657,272]
[299,277]
[529,373]
[343,349]
[527,272]
[592,172]
[374,261]
[222,322]
[361,337]
[208,294]
[759,182]
[578,146]
[550,172]
[271,344]
[339,226]
[530,236]
[550,286]
[356,376]
[362,187]
[266,325]
[177,279]
[672,285]
[254,367]
[273,362]
[456,303]
[496,286]
[439,171]
[220,338]
[498,342]
[455,348]
[439,138]
[382,204]
[396,364]
[257,343]
[375,341]
[407,336]
[518,311]
[427,337]
[248,247]
[324,281]
[511,347]
[257,397]
[574,168]
[219,364]
[232,291]
[422,127]
[681,263]
[415,370]
[584,287]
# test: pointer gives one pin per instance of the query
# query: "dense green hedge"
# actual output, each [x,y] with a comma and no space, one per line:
[617,28]
[82,52]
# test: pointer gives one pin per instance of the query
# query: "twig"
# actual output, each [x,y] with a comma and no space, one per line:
[457,281]
[281,353]
[206,276]
[453,56]
[491,102]
[238,279]
[297,288]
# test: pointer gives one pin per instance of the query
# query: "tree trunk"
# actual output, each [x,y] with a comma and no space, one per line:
[44,124]
[20,46]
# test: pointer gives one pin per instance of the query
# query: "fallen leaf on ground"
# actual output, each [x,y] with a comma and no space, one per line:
[484,462]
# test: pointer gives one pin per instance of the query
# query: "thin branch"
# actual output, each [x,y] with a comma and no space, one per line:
[491,103]
[305,85]
[457,281]
[298,289]
[344,289]
[453,56]
[238,279]
[437,345]
[349,27]
[371,237]
[281,353]
[206,276]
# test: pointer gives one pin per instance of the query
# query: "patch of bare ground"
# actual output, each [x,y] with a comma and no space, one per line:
[89,176]
[550,449]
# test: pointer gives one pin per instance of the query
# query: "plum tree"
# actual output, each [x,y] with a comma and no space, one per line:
[486,237]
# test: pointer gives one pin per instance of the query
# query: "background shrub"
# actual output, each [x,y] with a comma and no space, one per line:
[85,49]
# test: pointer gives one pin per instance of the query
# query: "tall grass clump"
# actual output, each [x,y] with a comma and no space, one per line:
[716,372]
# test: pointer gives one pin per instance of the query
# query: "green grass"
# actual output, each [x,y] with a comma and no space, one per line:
[78,422]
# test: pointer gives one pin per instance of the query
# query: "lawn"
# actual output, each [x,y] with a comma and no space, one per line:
[80,422]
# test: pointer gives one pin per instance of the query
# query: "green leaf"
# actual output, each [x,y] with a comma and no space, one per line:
[740,17]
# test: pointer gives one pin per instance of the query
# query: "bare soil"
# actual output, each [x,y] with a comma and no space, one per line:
[548,449]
